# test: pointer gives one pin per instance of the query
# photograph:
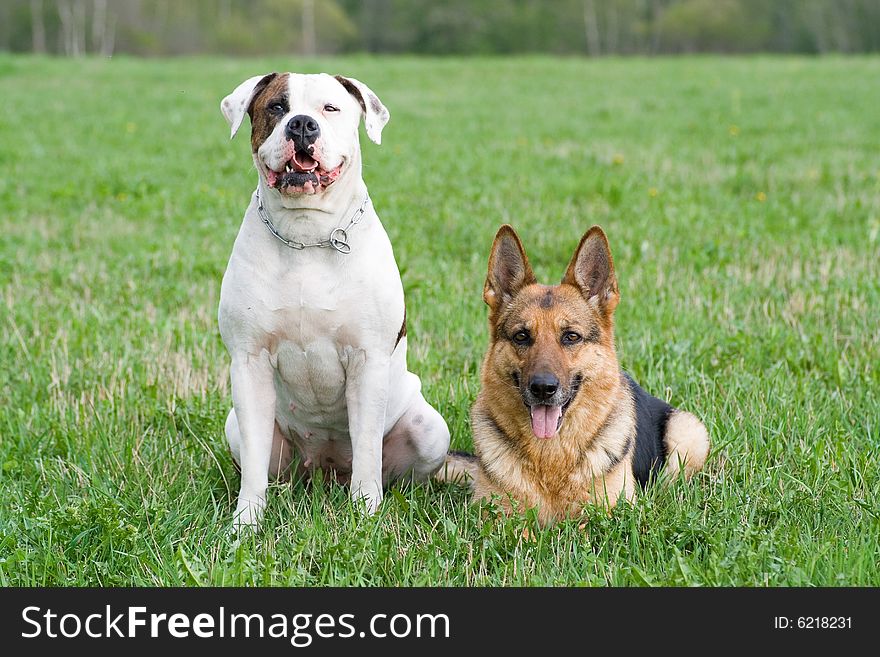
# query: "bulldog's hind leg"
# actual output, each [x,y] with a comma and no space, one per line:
[416,446]
[282,454]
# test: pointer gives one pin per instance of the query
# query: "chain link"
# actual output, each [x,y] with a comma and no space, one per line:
[338,238]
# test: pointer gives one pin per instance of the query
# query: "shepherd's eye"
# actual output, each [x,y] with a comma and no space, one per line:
[277,108]
[571,337]
[330,108]
[521,337]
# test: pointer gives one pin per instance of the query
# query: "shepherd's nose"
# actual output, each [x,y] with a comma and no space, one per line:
[302,129]
[543,386]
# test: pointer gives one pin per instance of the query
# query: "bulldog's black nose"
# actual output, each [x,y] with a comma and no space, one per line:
[543,386]
[302,130]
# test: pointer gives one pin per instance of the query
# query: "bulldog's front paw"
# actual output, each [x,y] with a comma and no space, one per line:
[247,516]
[367,494]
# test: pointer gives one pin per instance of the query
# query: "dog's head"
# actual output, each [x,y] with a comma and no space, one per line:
[304,128]
[551,343]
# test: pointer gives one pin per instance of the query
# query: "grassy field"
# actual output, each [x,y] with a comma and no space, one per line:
[742,201]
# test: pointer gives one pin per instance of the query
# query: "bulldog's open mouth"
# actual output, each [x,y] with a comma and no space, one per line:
[302,174]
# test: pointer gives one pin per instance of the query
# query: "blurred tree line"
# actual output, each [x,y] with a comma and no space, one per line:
[591,27]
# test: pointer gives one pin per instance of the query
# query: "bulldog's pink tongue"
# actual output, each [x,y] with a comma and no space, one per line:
[303,162]
[545,420]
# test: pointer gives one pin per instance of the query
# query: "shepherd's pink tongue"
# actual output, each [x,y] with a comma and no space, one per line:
[544,420]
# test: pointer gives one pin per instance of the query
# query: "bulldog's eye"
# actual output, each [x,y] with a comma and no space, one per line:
[521,337]
[330,108]
[571,337]
[277,108]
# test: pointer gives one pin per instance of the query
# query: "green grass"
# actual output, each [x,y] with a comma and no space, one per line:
[742,201]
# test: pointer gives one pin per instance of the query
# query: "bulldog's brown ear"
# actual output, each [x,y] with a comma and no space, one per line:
[509,269]
[375,113]
[591,270]
[239,102]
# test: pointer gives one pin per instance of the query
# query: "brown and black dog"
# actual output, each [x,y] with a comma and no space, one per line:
[557,423]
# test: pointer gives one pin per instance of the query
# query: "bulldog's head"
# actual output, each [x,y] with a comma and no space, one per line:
[304,128]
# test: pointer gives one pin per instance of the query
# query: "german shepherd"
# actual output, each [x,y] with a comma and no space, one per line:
[557,423]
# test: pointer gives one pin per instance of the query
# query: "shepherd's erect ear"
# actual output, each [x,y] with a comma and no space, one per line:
[375,113]
[238,103]
[509,269]
[591,270]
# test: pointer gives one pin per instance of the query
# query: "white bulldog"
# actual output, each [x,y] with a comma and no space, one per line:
[311,306]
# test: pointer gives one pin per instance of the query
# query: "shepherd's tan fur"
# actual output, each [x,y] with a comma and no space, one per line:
[590,458]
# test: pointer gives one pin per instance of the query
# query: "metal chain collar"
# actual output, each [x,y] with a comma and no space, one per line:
[338,238]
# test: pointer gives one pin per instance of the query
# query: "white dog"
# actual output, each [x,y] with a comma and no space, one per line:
[311,307]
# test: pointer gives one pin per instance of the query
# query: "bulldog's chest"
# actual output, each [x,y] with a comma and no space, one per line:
[311,307]
[312,314]
[307,323]
[304,300]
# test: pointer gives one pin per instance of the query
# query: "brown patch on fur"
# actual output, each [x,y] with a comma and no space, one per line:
[354,91]
[402,332]
[272,88]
